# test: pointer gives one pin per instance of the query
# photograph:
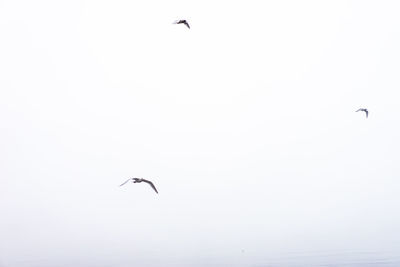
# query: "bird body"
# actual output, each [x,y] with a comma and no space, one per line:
[363,109]
[182,21]
[139,180]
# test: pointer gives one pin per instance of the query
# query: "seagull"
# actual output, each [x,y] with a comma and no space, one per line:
[363,109]
[139,180]
[182,21]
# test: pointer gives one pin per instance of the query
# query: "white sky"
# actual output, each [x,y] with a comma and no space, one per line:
[245,123]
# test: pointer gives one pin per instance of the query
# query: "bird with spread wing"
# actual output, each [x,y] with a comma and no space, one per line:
[182,21]
[363,109]
[139,180]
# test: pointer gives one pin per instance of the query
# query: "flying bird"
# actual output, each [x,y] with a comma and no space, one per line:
[363,109]
[139,180]
[182,21]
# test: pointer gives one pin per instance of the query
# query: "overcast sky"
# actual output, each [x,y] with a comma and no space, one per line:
[246,124]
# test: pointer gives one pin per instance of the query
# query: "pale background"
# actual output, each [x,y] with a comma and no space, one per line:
[246,123]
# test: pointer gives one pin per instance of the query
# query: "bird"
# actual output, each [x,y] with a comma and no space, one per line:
[182,21]
[363,109]
[139,180]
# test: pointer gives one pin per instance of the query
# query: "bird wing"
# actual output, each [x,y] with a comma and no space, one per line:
[151,184]
[126,181]
[366,113]
[187,24]
[360,109]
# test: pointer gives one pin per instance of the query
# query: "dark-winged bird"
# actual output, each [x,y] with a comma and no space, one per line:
[139,180]
[182,21]
[363,109]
